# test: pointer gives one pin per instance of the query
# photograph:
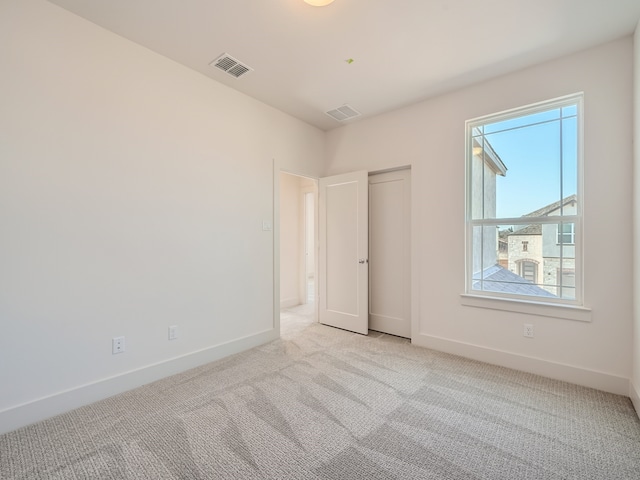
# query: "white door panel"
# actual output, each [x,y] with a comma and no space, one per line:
[343,233]
[389,253]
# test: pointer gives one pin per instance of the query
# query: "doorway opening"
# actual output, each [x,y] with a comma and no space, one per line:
[298,255]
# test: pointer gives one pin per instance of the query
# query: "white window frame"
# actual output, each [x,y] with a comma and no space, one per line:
[512,301]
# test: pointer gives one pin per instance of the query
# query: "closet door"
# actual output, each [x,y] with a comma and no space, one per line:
[390,252]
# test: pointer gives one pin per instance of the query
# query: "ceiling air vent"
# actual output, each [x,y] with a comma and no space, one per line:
[345,112]
[228,64]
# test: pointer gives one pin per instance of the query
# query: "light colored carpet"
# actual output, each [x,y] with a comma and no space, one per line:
[322,403]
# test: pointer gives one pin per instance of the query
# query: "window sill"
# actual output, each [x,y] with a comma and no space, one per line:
[567,312]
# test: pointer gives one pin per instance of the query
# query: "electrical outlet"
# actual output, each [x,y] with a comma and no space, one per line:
[173,332]
[117,345]
[528,330]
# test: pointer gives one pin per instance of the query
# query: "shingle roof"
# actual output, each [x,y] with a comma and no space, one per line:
[534,229]
[544,211]
[499,279]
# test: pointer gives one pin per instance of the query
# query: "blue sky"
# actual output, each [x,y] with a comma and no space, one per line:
[532,156]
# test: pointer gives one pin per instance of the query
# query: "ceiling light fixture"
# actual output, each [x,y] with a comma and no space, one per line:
[319,3]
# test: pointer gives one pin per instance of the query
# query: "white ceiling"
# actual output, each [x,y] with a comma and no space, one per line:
[403,50]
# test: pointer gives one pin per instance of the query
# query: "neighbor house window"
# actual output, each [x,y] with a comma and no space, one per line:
[524,204]
[566,233]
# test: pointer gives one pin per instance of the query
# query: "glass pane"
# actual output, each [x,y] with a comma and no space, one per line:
[480,175]
[559,266]
[525,166]
[532,180]
[521,121]
[567,273]
[565,236]
[561,271]
[509,259]
[568,288]
[484,250]
[570,164]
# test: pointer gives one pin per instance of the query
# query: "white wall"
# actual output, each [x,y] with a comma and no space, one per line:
[430,137]
[290,233]
[132,194]
[634,391]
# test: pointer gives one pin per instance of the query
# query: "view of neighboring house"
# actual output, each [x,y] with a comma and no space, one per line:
[536,259]
[545,254]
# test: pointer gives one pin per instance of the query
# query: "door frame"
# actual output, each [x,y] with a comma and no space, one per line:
[415,242]
[277,170]
[305,193]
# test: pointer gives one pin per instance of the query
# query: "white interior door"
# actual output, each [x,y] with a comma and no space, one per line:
[390,252]
[344,250]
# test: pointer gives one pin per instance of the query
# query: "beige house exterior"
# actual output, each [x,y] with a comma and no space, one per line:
[524,252]
[545,253]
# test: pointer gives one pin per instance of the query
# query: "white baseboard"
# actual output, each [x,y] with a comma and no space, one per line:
[61,402]
[289,302]
[634,394]
[558,371]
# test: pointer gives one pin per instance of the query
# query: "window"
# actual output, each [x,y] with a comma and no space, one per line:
[566,233]
[524,203]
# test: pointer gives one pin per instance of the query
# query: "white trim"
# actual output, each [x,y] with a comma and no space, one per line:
[560,102]
[389,170]
[545,219]
[303,294]
[275,209]
[532,109]
[416,252]
[634,394]
[27,413]
[580,376]
[554,310]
